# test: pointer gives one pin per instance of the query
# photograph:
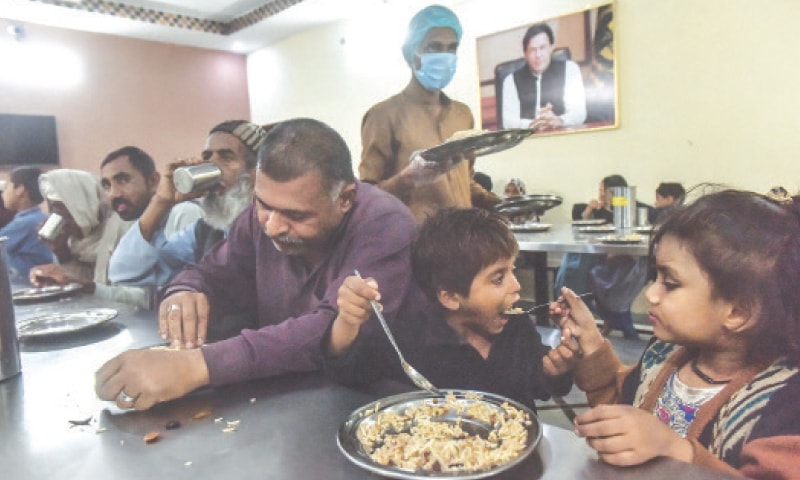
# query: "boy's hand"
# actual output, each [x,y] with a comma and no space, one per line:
[626,435]
[569,312]
[564,357]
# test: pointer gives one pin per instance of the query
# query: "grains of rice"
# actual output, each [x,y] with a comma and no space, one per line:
[419,437]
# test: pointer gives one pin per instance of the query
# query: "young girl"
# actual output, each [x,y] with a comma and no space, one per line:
[718,385]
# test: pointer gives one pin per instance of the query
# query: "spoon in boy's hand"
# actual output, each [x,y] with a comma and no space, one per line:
[522,311]
[416,377]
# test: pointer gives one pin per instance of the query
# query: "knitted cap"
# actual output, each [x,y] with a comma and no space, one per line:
[250,134]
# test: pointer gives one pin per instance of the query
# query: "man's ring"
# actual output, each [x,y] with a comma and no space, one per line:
[173,307]
[125,398]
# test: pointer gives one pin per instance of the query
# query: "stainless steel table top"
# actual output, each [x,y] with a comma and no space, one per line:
[281,428]
[564,238]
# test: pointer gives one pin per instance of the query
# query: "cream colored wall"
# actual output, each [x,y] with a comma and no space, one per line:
[162,98]
[707,92]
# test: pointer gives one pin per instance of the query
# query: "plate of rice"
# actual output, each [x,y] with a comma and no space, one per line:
[461,435]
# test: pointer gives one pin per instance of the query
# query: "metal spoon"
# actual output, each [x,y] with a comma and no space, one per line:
[521,311]
[416,377]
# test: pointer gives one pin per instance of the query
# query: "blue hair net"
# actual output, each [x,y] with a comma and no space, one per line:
[429,17]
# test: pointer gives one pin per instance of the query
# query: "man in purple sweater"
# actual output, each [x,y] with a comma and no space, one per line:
[312,224]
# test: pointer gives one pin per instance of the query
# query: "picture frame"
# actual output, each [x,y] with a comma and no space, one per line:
[581,71]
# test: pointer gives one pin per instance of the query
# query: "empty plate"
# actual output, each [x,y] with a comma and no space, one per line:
[44,293]
[58,323]
[530,227]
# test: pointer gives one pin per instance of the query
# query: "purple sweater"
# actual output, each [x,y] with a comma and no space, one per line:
[294,305]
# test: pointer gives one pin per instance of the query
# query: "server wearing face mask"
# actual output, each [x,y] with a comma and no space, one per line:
[419,117]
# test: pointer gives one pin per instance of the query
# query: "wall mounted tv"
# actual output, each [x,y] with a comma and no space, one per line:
[28,140]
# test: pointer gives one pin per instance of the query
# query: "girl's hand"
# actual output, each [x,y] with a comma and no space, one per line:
[626,435]
[569,312]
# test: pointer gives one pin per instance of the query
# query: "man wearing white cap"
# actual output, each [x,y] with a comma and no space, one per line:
[148,255]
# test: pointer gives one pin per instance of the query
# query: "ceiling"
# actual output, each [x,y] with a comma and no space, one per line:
[241,26]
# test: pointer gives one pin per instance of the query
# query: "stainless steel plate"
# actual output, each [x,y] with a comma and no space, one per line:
[58,323]
[626,240]
[351,447]
[44,293]
[480,144]
[588,221]
[596,229]
[526,204]
[530,227]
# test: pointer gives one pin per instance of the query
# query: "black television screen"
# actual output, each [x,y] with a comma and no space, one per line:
[28,140]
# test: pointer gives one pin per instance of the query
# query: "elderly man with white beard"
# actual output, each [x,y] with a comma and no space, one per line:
[147,255]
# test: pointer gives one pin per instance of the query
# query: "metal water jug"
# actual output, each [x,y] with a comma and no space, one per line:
[623,202]
[9,344]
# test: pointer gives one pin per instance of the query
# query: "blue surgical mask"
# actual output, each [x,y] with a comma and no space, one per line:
[436,70]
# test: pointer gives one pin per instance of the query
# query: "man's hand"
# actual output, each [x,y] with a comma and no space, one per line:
[626,435]
[354,310]
[183,319]
[166,191]
[150,377]
[547,118]
[53,274]
[422,172]
[165,198]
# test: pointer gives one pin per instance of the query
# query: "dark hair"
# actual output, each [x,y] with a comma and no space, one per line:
[295,147]
[453,245]
[612,181]
[139,159]
[29,178]
[536,30]
[749,247]
[671,189]
[483,180]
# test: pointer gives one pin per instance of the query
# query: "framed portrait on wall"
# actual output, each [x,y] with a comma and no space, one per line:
[557,74]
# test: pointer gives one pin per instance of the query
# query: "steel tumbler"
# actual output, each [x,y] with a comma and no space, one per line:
[195,178]
[52,227]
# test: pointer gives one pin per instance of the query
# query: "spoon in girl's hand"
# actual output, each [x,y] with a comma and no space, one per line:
[522,311]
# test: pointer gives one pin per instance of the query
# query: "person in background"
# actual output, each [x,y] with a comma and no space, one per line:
[24,247]
[514,188]
[5,214]
[311,225]
[151,253]
[454,329]
[600,208]
[668,196]
[483,180]
[545,91]
[615,280]
[420,117]
[92,230]
[718,384]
